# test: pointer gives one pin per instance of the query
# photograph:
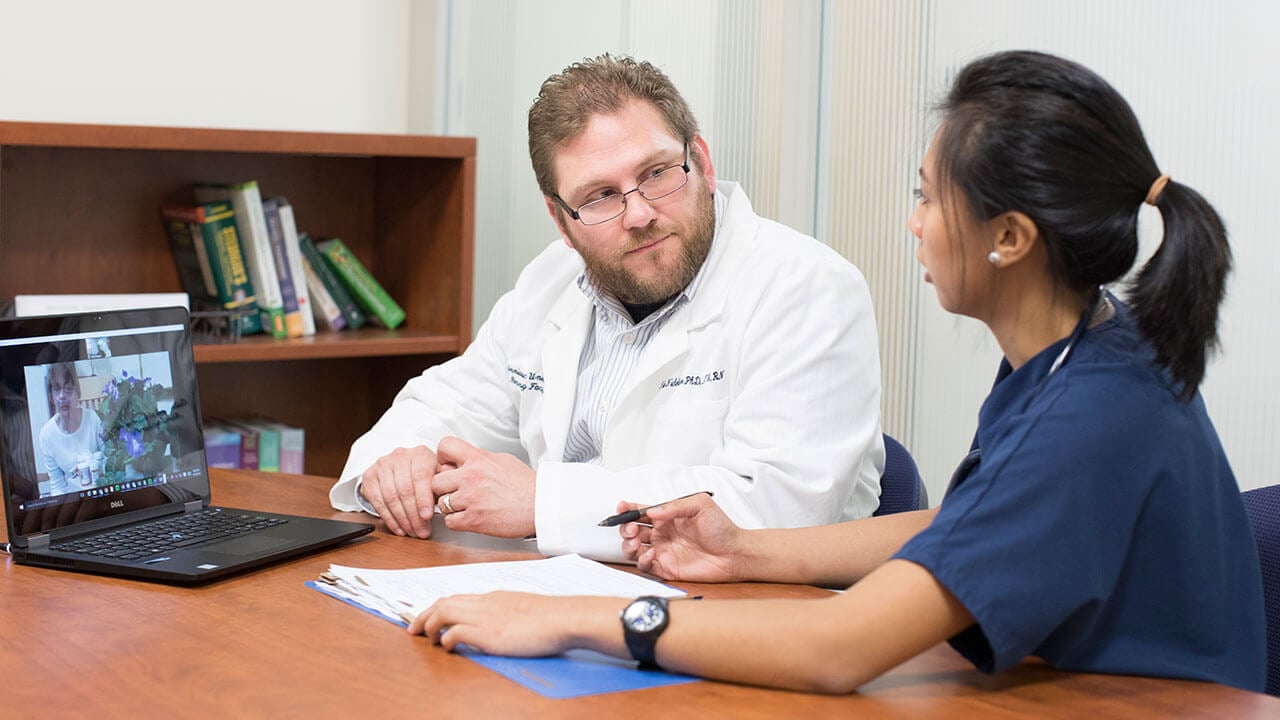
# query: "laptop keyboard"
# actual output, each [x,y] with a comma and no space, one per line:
[147,539]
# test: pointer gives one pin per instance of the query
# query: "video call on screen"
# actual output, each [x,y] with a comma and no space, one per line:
[106,417]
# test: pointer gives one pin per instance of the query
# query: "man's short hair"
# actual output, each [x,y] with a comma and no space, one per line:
[598,86]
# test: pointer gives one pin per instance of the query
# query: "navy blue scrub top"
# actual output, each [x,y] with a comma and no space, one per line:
[1101,527]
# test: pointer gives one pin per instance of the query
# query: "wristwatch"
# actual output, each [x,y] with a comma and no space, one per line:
[642,622]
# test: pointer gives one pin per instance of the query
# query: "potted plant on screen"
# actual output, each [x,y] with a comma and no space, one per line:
[135,431]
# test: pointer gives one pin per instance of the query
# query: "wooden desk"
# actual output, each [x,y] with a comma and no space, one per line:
[263,645]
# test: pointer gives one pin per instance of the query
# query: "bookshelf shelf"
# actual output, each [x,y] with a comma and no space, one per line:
[80,213]
[358,343]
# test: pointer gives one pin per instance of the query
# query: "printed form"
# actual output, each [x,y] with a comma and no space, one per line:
[395,594]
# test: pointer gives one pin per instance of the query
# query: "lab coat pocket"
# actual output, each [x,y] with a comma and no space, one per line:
[688,432]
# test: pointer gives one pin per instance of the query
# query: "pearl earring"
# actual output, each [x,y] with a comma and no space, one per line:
[993,257]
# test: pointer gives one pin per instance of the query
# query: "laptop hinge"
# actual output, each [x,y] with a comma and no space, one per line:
[193,506]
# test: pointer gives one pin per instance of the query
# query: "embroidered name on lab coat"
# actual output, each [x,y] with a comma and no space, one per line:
[681,380]
[526,381]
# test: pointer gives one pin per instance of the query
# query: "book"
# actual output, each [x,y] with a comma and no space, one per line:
[368,293]
[268,441]
[221,447]
[187,247]
[248,442]
[293,252]
[347,304]
[293,442]
[215,229]
[327,313]
[284,273]
[251,224]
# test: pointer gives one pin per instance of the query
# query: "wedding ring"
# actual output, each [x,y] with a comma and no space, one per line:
[444,500]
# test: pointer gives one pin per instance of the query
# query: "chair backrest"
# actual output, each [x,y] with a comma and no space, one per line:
[1263,507]
[901,488]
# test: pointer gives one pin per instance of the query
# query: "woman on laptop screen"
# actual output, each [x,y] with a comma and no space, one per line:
[72,437]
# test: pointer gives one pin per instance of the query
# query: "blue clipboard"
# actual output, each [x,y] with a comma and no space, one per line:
[573,674]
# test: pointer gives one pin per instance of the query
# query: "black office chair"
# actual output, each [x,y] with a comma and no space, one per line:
[1263,507]
[901,488]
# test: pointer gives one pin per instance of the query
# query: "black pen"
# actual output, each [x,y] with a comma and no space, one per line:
[639,513]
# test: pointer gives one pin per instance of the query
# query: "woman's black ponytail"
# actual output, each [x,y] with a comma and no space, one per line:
[1175,297]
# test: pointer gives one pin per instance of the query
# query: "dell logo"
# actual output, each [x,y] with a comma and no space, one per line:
[117,504]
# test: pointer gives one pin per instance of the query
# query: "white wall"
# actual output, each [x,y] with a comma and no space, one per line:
[332,65]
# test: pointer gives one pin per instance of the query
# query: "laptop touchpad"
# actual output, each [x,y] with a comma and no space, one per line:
[249,545]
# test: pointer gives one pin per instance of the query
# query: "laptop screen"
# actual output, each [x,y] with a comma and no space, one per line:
[100,418]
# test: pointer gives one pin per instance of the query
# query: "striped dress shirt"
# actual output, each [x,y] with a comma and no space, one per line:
[611,352]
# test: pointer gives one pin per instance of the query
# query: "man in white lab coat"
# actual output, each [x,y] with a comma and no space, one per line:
[671,342]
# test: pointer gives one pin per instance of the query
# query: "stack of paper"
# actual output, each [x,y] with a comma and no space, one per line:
[399,595]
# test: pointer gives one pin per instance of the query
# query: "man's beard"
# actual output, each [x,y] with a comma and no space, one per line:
[610,274]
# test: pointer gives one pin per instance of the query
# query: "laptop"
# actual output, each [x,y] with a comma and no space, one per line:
[102,455]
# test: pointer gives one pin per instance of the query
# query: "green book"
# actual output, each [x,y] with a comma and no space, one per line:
[351,312]
[208,234]
[251,225]
[369,295]
[293,442]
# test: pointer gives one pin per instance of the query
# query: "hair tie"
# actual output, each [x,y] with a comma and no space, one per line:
[1157,187]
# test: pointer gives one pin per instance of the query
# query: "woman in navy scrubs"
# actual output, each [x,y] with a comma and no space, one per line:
[1096,524]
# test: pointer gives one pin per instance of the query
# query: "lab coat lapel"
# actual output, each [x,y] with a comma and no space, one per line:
[707,303]
[570,318]
[671,342]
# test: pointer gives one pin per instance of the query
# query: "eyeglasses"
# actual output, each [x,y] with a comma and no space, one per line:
[657,186]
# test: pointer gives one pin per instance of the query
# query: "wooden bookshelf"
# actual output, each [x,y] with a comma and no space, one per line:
[79,213]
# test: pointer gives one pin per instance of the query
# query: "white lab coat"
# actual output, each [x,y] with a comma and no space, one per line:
[764,389]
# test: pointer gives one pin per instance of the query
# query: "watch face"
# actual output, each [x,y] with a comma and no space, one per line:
[644,615]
